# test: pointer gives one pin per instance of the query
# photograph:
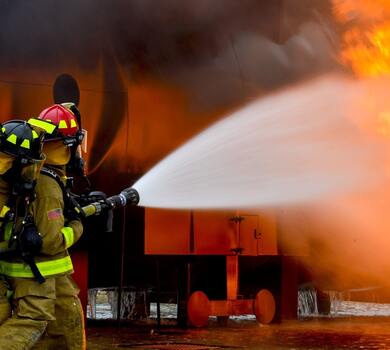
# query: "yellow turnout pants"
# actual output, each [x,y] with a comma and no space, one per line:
[44,312]
[5,306]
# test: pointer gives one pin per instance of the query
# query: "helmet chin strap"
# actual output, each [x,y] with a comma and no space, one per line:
[76,164]
[77,114]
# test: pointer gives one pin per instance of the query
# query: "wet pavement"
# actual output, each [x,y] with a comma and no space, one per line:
[312,333]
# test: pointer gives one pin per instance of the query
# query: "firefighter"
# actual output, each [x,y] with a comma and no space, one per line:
[63,157]
[21,159]
[23,148]
[48,305]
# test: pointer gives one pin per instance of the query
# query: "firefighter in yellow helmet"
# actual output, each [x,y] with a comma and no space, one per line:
[21,159]
[50,307]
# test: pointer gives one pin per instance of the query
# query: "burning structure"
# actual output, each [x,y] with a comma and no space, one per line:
[149,80]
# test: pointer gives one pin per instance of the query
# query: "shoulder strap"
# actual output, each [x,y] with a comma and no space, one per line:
[51,173]
[69,203]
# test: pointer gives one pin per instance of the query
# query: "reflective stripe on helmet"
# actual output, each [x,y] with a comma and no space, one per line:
[42,124]
[68,235]
[46,268]
[12,138]
[25,144]
[62,125]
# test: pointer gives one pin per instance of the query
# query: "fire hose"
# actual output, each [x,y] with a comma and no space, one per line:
[129,196]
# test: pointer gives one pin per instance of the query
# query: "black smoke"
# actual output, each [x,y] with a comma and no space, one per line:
[146,35]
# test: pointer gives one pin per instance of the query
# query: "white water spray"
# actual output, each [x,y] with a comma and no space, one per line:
[293,146]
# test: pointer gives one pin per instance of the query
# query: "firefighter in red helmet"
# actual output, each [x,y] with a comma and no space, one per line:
[63,151]
[67,117]
[55,320]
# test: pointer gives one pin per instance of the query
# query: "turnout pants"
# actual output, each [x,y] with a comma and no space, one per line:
[45,314]
[5,306]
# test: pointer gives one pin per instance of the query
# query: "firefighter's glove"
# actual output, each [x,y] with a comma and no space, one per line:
[72,214]
[30,240]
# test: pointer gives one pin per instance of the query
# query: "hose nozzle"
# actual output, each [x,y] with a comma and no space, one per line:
[132,195]
[127,196]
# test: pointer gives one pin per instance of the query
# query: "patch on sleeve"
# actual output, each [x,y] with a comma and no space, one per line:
[54,214]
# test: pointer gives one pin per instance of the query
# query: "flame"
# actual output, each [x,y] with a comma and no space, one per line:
[368,53]
[366,40]
[365,45]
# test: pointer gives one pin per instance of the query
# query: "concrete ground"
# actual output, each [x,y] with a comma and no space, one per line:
[313,333]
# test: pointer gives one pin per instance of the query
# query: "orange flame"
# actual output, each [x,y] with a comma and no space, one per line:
[366,41]
[365,44]
[368,52]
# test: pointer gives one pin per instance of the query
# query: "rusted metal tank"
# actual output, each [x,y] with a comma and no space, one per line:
[233,236]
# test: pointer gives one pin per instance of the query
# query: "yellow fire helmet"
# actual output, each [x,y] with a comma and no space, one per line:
[23,141]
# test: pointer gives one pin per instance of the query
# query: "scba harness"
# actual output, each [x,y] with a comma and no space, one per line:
[71,206]
[20,236]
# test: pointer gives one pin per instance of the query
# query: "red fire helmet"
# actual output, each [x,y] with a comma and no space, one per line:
[63,117]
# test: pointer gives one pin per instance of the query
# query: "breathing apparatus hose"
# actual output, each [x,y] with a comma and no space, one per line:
[127,196]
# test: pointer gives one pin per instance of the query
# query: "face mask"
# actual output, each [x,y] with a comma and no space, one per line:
[75,166]
[84,142]
[56,152]
[31,171]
